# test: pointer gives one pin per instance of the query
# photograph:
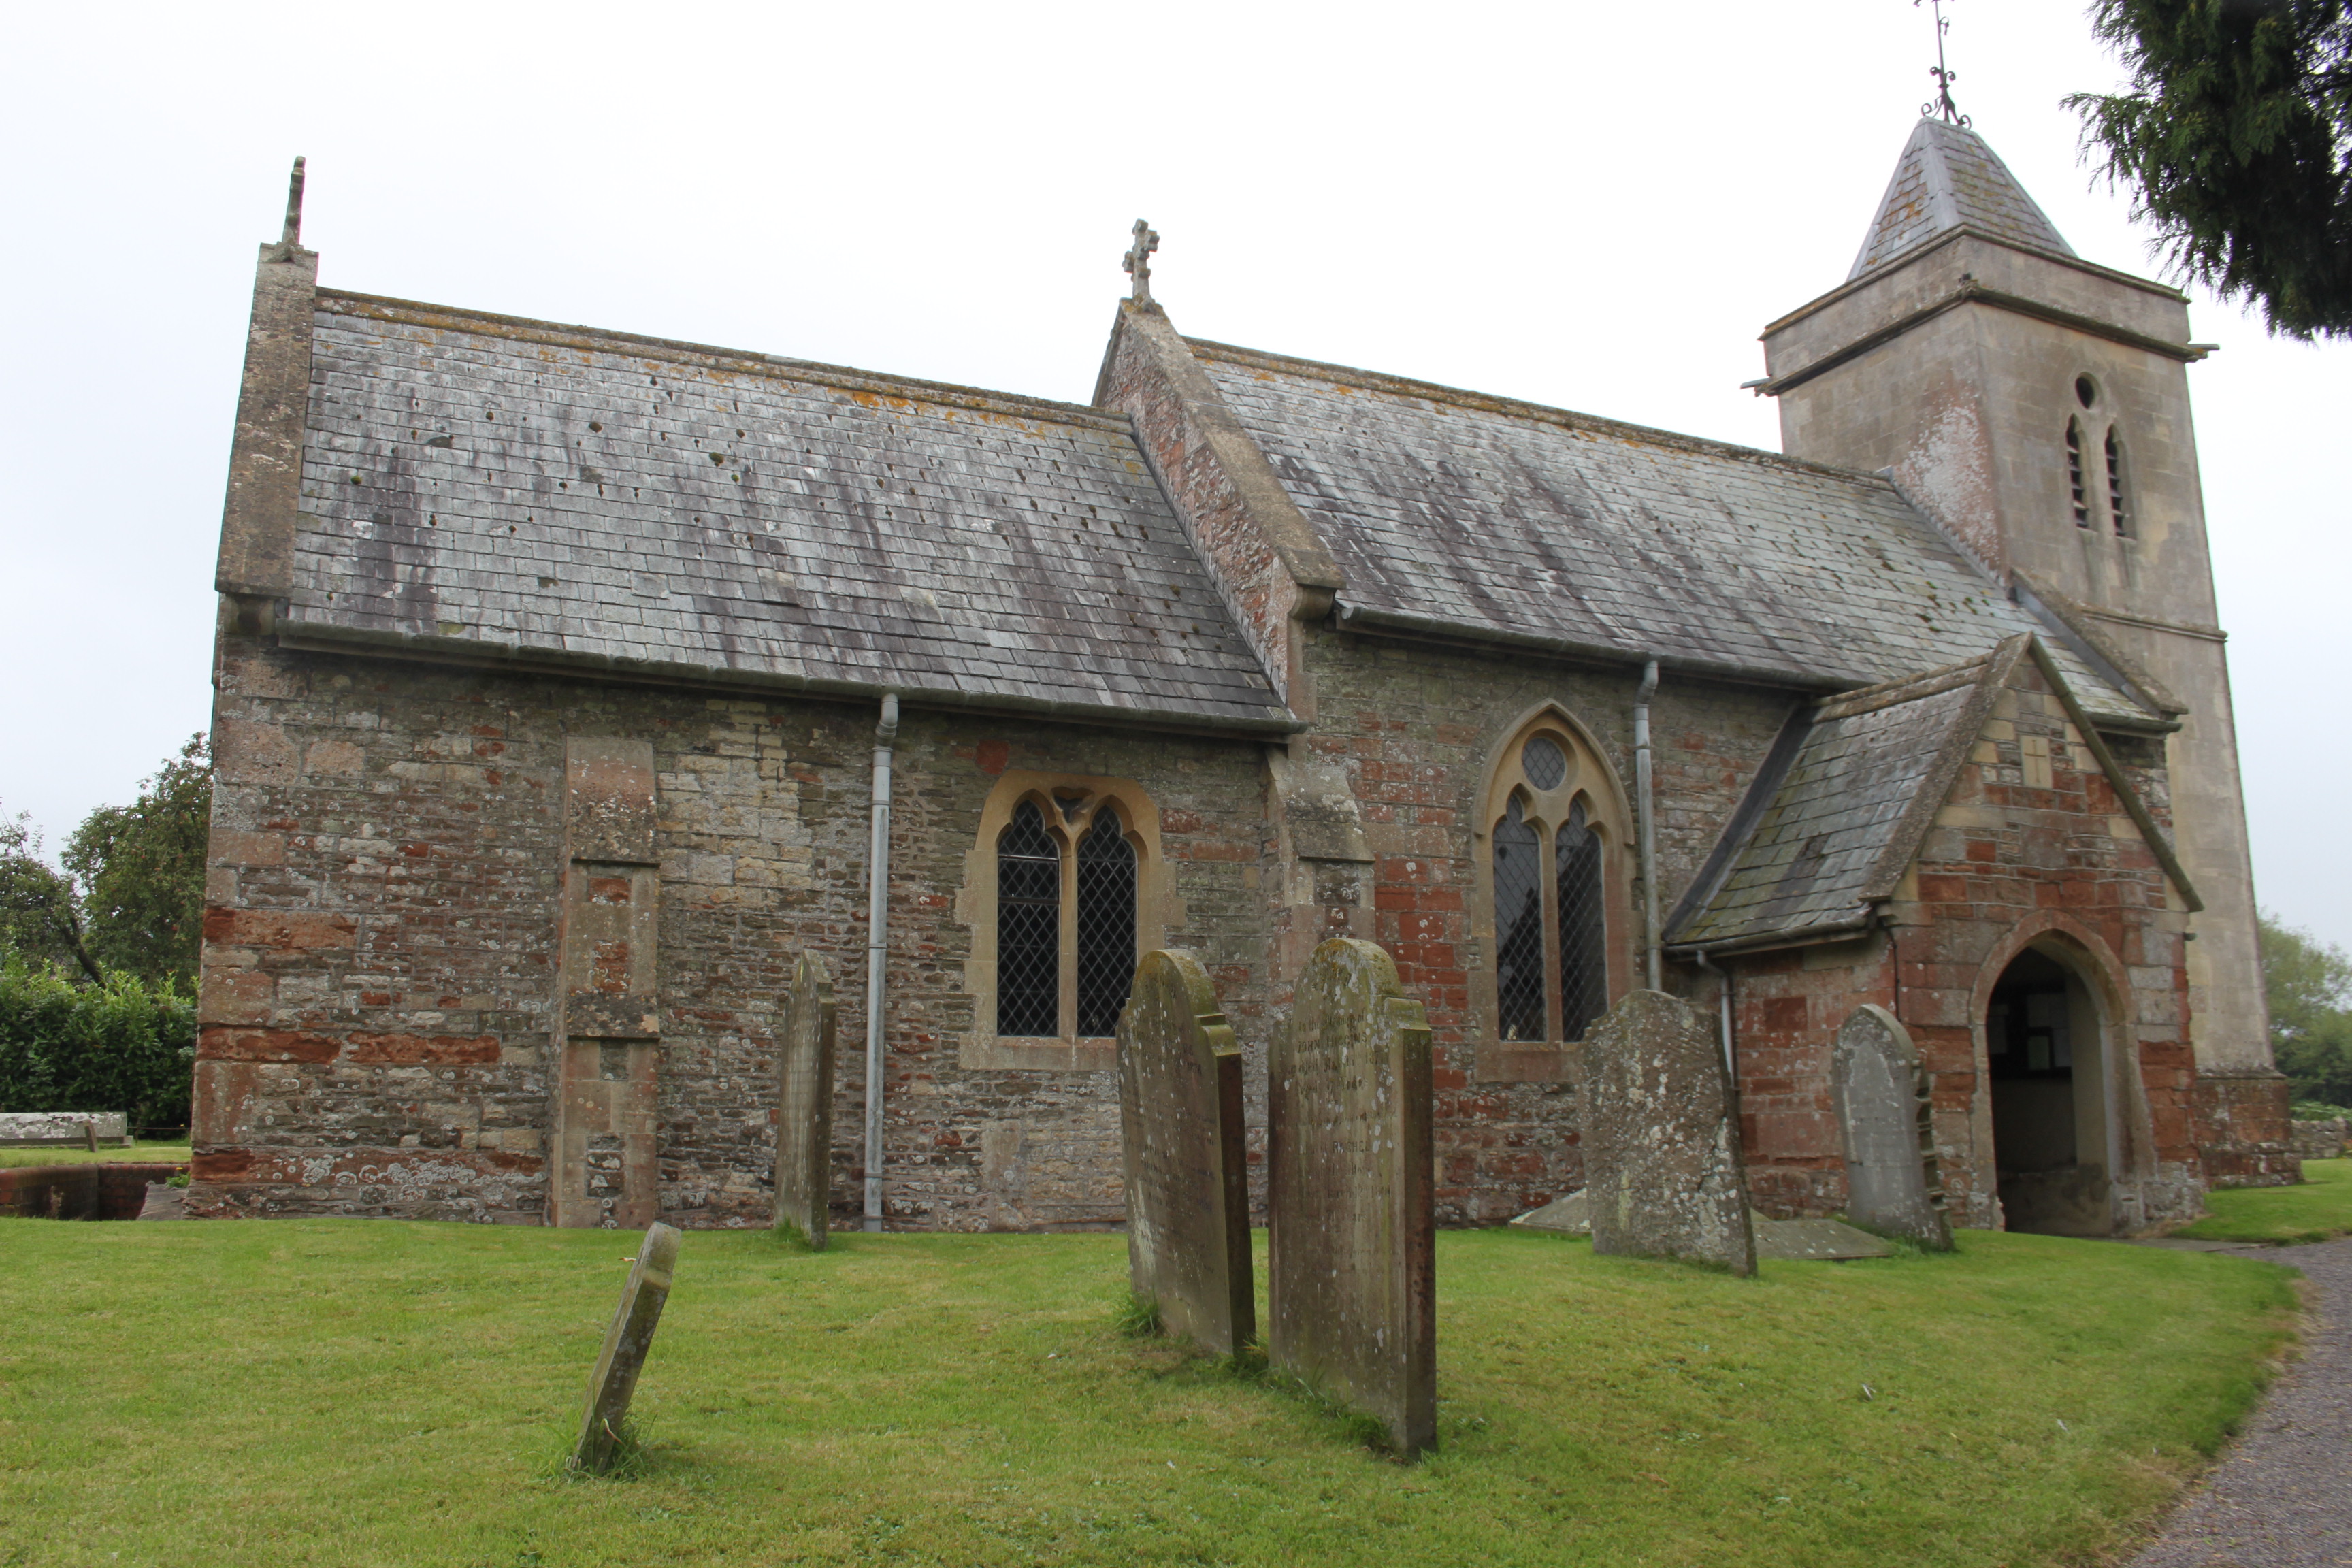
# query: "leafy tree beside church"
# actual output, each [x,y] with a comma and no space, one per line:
[2309,986]
[2235,139]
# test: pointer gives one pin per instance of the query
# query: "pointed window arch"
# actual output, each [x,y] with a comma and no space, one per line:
[1028,926]
[1065,889]
[2077,488]
[2118,504]
[1554,897]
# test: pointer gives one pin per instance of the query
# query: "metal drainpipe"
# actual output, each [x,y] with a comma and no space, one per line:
[1730,1065]
[1643,786]
[878,933]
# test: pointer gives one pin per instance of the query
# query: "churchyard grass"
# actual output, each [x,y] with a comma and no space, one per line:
[370,1392]
[2319,1210]
[67,1154]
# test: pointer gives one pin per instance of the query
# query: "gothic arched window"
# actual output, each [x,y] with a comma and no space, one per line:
[2078,491]
[1106,923]
[1028,926]
[1554,833]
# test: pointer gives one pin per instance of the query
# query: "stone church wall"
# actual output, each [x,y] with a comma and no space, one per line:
[380,940]
[1415,727]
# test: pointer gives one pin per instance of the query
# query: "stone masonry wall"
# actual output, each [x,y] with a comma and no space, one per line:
[381,899]
[1415,727]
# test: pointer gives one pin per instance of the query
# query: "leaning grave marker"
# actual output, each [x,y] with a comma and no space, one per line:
[1662,1168]
[1893,1186]
[1179,1103]
[804,1052]
[1351,1286]
[624,1355]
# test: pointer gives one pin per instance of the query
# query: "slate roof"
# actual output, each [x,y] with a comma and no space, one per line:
[1451,510]
[523,489]
[1947,176]
[1828,811]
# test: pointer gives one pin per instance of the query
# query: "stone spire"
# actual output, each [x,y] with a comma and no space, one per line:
[1949,178]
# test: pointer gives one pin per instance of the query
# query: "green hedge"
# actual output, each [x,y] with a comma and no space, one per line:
[130,1046]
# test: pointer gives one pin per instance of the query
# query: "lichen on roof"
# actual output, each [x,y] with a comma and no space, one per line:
[1949,177]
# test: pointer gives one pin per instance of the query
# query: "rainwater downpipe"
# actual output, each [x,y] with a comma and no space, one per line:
[1644,786]
[1730,1063]
[877,934]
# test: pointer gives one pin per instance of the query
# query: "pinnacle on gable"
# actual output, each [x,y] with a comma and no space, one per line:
[1947,178]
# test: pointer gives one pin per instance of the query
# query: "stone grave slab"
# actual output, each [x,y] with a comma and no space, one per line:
[1179,1101]
[1815,1241]
[1351,1286]
[1569,1215]
[1892,1184]
[615,1379]
[1663,1175]
[805,1060]
[63,1129]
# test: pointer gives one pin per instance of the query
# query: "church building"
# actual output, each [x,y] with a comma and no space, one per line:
[570,684]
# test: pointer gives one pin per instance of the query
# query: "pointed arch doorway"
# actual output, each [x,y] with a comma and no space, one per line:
[2047,1059]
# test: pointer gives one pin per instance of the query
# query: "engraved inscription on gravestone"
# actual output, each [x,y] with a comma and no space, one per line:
[1893,1183]
[1179,1101]
[1351,1286]
[804,1048]
[624,1355]
[1662,1176]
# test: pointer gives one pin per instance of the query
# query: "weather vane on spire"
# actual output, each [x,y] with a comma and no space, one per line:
[1138,260]
[1942,102]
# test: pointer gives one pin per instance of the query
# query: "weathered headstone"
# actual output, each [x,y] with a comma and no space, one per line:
[624,1355]
[1815,1241]
[1180,1106]
[805,1103]
[1893,1186]
[1569,1216]
[1663,1176]
[1351,1286]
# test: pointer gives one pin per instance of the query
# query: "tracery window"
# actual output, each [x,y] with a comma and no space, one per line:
[2119,512]
[1554,841]
[2077,490]
[1068,882]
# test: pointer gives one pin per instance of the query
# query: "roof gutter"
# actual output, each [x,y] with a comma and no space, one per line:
[317,638]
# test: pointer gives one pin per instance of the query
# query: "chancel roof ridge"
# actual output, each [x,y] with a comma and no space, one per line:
[1520,408]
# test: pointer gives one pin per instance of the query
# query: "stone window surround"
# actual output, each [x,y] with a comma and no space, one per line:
[1610,816]
[1156,911]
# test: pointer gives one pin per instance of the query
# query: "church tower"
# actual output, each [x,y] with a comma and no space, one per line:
[2036,406]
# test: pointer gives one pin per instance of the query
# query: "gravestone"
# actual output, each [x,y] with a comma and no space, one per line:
[1569,1215]
[1663,1176]
[1815,1241]
[1180,1105]
[1351,1286]
[1893,1186]
[624,1355]
[805,1103]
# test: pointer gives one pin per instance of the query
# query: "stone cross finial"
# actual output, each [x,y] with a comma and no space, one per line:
[1138,260]
[293,236]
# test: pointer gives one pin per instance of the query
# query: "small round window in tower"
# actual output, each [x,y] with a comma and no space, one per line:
[1545,763]
[2087,391]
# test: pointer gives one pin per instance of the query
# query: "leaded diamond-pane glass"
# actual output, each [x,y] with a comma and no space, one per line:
[1584,944]
[1518,930]
[1028,927]
[1105,924]
[1545,763]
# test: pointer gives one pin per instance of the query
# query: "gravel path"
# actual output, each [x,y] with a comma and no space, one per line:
[2281,1497]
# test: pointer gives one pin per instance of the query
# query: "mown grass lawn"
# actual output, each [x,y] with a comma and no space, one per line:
[377,1392]
[2319,1210]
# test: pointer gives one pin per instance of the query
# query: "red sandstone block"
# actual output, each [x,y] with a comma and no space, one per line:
[237,996]
[412,1050]
[1786,1014]
[1943,890]
[218,1043]
[283,930]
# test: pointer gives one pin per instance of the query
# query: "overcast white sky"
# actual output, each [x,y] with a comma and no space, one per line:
[1591,207]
